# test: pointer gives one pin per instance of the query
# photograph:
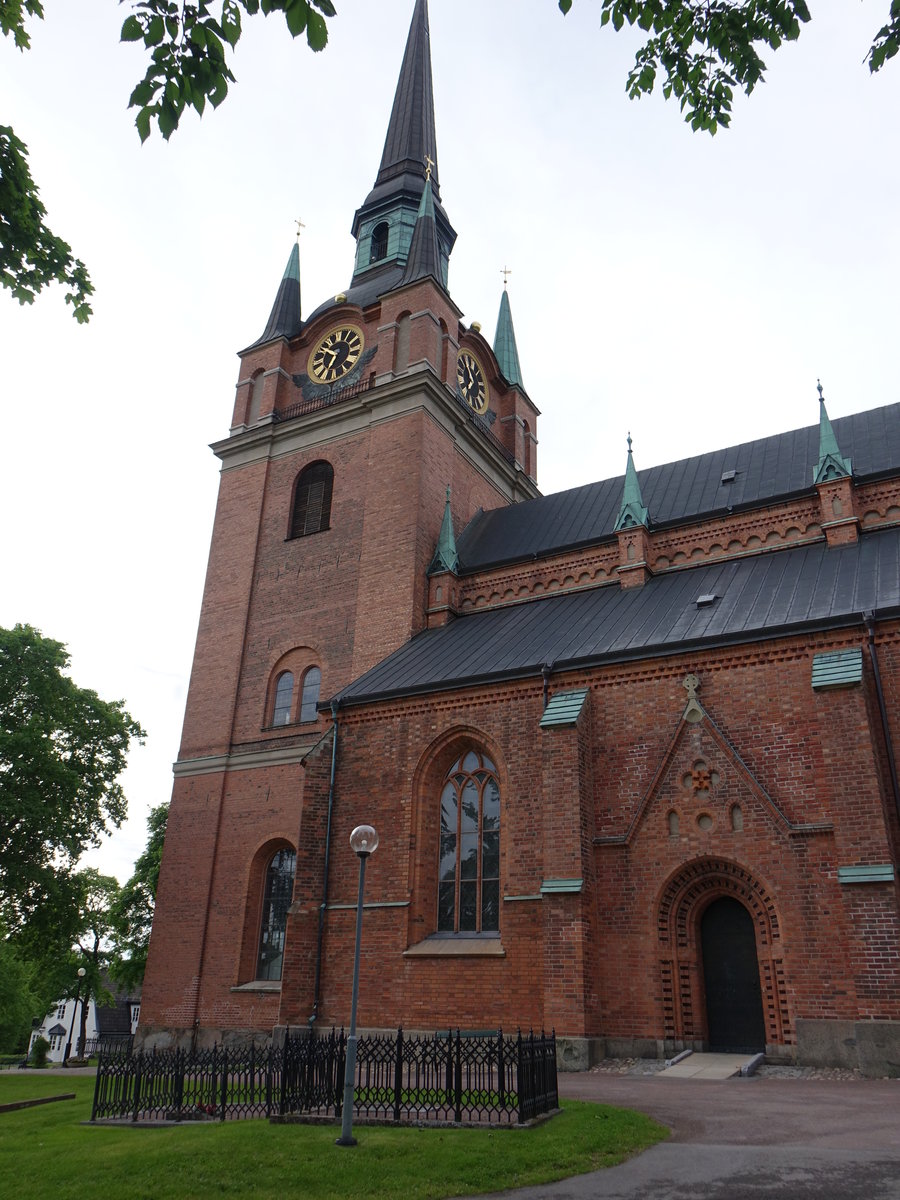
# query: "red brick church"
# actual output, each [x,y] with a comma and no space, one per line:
[631,749]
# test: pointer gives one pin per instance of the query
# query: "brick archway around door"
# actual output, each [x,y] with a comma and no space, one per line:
[682,902]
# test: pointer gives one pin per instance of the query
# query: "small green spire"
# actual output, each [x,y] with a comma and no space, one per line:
[445,556]
[831,464]
[284,319]
[632,512]
[425,248]
[505,344]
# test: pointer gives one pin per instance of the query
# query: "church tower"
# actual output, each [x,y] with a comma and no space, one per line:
[349,426]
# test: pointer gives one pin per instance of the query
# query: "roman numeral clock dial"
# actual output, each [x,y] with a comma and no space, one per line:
[470,381]
[336,354]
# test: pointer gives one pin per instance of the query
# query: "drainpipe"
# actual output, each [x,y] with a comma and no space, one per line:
[546,671]
[313,1016]
[869,620]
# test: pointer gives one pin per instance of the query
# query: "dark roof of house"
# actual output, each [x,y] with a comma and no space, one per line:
[760,596]
[765,470]
[114,1018]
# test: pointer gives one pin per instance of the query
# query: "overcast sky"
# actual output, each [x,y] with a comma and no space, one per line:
[687,288]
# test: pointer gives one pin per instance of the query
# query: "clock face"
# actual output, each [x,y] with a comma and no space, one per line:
[470,381]
[336,354]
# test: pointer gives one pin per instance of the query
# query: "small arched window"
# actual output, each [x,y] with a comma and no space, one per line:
[279,887]
[311,512]
[312,682]
[379,242]
[284,694]
[469,872]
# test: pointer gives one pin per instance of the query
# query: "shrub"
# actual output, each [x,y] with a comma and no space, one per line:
[40,1047]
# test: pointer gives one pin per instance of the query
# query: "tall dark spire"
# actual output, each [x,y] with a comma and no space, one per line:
[410,136]
[383,226]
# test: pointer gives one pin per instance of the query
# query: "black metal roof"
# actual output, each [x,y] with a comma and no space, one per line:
[759,596]
[764,470]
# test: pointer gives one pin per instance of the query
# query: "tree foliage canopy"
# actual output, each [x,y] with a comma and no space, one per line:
[132,913]
[702,50]
[62,749]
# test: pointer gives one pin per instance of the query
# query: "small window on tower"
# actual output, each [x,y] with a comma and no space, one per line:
[284,694]
[312,500]
[379,242]
[312,682]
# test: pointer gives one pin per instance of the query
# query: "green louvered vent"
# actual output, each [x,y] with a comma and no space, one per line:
[876,873]
[838,669]
[563,708]
[555,887]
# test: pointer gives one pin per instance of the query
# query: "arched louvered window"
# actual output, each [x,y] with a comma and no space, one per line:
[379,242]
[312,683]
[284,694]
[312,500]
[469,871]
[279,887]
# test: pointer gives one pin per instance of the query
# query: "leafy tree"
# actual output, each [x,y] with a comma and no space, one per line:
[705,49]
[62,749]
[20,1003]
[186,68]
[187,44]
[98,897]
[31,255]
[133,909]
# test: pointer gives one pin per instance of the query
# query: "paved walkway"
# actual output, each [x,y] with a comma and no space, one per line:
[745,1139]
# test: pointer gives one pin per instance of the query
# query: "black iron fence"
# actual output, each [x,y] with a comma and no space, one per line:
[120,1042]
[450,1077]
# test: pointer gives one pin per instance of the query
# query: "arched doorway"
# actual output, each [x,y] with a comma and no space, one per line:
[734,1011]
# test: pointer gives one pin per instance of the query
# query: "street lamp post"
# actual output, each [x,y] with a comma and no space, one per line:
[364,841]
[81,975]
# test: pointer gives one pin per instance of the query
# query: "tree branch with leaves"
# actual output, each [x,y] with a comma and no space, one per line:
[705,49]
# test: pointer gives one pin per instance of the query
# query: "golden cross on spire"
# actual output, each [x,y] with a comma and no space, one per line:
[505,272]
[429,163]
[300,226]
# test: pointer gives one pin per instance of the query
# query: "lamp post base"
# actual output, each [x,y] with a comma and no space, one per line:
[346,1141]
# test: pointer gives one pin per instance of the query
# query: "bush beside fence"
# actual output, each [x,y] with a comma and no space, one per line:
[450,1077]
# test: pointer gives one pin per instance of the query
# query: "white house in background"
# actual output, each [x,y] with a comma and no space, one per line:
[108,1023]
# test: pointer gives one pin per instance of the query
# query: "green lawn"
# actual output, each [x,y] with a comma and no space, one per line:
[46,1153]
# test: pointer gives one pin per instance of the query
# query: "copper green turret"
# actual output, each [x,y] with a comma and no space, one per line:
[831,464]
[445,556]
[505,345]
[284,319]
[425,249]
[632,512]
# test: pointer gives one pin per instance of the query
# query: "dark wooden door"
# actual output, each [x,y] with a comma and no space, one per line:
[734,1013]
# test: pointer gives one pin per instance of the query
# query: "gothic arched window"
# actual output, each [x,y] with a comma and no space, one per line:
[284,695]
[311,512]
[469,871]
[279,887]
[379,242]
[312,682]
